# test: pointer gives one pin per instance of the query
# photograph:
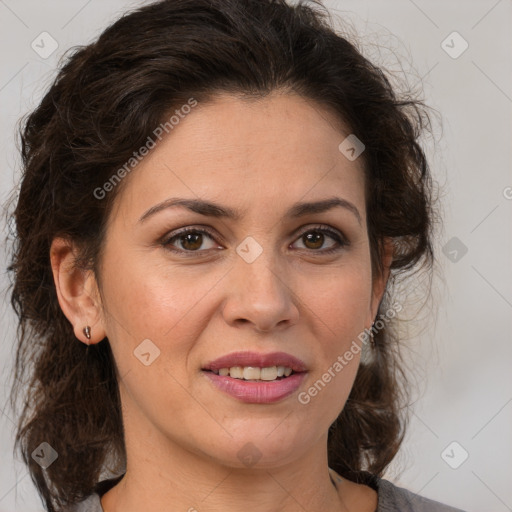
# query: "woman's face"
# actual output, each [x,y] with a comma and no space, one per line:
[268,280]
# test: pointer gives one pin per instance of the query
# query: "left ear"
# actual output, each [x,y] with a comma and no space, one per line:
[380,280]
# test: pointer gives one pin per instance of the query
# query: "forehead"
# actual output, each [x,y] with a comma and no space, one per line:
[278,149]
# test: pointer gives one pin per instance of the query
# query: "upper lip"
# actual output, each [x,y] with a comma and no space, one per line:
[258,360]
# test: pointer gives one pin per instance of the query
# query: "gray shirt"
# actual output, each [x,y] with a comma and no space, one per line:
[390,499]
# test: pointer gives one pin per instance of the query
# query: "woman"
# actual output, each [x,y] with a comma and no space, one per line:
[217,199]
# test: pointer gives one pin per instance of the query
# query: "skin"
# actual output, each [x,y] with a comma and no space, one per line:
[182,434]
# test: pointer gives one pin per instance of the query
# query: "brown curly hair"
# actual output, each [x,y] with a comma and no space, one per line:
[105,101]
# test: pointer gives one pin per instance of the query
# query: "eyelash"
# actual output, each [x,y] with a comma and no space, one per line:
[337,237]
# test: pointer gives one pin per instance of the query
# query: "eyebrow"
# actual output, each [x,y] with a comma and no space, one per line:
[211,209]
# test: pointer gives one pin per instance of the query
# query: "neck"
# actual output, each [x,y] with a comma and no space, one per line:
[175,475]
[181,480]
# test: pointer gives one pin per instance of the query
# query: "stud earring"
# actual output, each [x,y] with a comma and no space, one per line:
[87,332]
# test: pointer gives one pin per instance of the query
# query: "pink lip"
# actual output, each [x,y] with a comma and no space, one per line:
[257,360]
[252,391]
[257,392]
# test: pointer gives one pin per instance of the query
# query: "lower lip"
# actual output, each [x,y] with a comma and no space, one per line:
[264,392]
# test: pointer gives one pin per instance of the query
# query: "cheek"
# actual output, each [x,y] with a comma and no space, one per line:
[149,297]
[338,314]
[341,303]
[156,302]
[149,302]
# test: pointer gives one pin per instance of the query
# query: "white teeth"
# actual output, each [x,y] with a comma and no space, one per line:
[237,372]
[269,373]
[251,373]
[255,373]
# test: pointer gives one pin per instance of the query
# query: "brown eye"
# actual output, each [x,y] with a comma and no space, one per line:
[314,239]
[189,240]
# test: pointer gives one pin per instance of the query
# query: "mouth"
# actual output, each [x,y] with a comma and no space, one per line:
[256,378]
[256,366]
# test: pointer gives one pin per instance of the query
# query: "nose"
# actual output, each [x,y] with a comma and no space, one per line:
[260,294]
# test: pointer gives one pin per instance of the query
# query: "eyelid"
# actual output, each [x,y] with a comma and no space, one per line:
[324,228]
[183,231]
[341,241]
[333,233]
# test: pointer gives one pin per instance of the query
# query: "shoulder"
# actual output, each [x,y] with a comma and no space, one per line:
[392,498]
[91,504]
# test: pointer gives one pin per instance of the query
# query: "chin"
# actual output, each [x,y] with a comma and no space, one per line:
[260,447]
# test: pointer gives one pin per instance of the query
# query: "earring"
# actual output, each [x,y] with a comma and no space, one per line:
[368,352]
[372,336]
[87,332]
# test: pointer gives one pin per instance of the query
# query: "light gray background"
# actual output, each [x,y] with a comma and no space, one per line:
[462,359]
